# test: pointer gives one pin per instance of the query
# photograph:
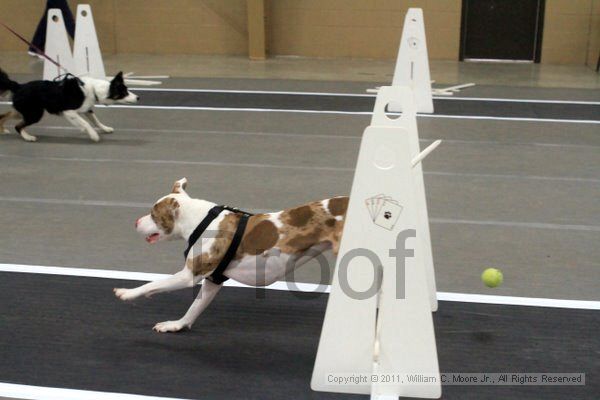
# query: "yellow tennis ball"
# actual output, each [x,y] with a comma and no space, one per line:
[492,277]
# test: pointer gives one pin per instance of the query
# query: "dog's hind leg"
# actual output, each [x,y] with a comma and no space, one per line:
[91,116]
[180,280]
[75,119]
[206,295]
[29,118]
[20,127]
[12,114]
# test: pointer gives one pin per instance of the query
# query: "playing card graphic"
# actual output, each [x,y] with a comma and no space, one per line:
[384,210]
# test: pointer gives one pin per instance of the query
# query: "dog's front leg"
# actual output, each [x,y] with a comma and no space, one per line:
[91,116]
[180,280]
[207,293]
[75,119]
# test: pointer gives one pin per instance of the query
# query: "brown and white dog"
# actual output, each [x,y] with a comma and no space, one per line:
[273,244]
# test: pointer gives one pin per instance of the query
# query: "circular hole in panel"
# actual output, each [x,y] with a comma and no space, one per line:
[384,157]
[84,13]
[392,115]
[413,42]
[55,18]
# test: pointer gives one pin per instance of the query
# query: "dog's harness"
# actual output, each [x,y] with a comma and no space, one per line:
[217,275]
[69,75]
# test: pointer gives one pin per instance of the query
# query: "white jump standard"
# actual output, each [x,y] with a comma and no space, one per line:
[86,58]
[378,319]
[412,64]
[57,47]
[86,49]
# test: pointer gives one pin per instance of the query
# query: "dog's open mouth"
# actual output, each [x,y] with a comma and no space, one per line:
[153,238]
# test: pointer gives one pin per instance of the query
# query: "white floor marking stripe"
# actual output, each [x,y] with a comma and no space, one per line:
[106,203]
[145,276]
[325,136]
[302,287]
[197,108]
[273,92]
[508,176]
[513,224]
[568,121]
[241,109]
[212,132]
[84,272]
[295,167]
[233,109]
[518,301]
[50,393]
[175,162]
[101,203]
[277,92]
[502,100]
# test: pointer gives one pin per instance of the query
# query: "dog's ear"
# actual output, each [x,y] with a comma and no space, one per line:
[118,77]
[179,186]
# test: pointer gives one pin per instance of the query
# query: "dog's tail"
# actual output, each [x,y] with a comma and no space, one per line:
[7,84]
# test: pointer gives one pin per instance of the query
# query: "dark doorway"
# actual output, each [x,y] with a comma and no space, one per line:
[502,30]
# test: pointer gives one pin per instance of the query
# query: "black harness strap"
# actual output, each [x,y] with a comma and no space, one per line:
[217,275]
[210,217]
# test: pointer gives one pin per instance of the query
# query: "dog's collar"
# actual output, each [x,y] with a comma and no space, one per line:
[217,275]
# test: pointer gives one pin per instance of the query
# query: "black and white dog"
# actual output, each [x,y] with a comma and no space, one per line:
[69,97]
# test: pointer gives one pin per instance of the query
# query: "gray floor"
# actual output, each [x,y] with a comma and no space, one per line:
[520,196]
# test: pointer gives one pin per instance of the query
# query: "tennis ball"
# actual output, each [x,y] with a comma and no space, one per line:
[492,277]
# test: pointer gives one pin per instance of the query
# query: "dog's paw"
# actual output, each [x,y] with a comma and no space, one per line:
[26,136]
[107,129]
[170,326]
[94,136]
[125,294]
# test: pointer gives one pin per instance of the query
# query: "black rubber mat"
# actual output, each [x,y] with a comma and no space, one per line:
[71,332]
[365,104]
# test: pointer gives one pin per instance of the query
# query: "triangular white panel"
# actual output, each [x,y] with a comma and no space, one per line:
[422,213]
[405,339]
[412,65]
[348,334]
[87,55]
[57,46]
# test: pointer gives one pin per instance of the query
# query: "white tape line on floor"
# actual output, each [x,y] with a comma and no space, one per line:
[303,287]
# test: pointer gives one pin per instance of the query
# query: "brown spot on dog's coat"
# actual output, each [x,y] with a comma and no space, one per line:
[178,187]
[206,262]
[261,234]
[298,216]
[338,206]
[164,213]
[302,228]
[303,242]
[203,264]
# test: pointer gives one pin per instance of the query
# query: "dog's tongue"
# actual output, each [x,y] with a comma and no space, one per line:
[152,238]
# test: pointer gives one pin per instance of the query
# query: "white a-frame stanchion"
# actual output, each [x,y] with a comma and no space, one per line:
[423,216]
[412,64]
[397,341]
[412,69]
[86,58]
[86,52]
[57,46]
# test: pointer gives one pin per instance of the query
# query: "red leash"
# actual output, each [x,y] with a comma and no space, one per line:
[39,51]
